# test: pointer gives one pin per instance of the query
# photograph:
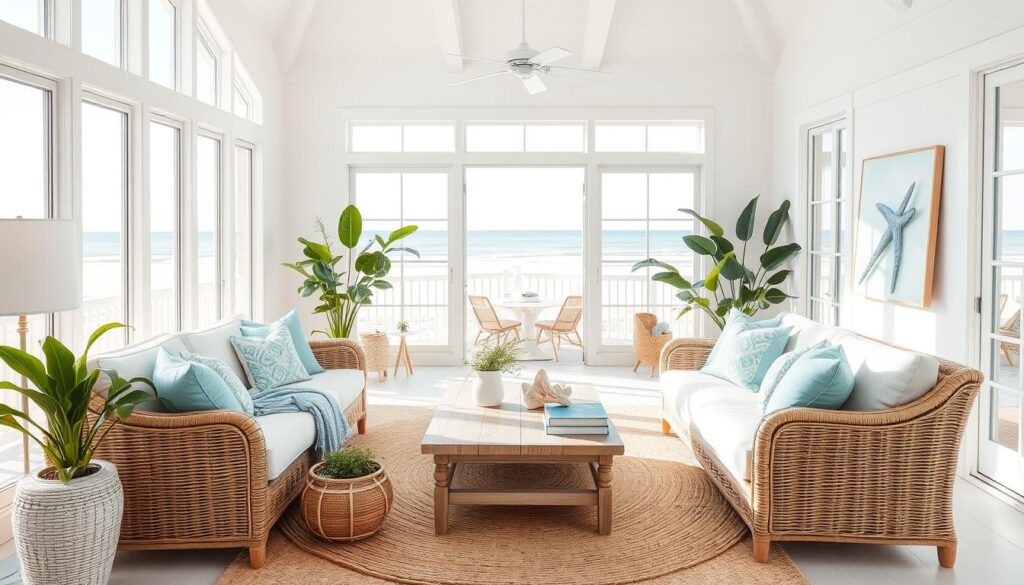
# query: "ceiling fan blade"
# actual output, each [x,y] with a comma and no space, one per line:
[573,71]
[468,58]
[534,85]
[550,56]
[477,78]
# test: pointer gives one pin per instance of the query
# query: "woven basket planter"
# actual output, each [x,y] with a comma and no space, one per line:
[346,509]
[68,533]
[376,347]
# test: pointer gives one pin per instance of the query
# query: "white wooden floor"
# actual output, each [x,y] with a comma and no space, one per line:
[991,533]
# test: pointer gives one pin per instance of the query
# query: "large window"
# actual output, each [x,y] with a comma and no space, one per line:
[397,137]
[208,171]
[388,200]
[103,30]
[163,44]
[206,69]
[26,141]
[164,190]
[243,228]
[640,218]
[28,14]
[827,211]
[681,137]
[104,221]
[535,137]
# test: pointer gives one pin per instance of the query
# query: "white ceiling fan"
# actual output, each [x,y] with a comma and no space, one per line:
[527,64]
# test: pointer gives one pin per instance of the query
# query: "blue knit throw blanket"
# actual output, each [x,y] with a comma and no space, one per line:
[331,427]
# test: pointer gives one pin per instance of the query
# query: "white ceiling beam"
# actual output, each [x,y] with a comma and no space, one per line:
[756,23]
[293,31]
[595,35]
[449,30]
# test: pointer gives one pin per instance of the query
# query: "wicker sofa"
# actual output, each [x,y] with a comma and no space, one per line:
[878,476]
[217,479]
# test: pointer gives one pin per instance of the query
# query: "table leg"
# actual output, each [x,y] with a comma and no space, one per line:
[604,495]
[440,494]
[528,317]
[408,358]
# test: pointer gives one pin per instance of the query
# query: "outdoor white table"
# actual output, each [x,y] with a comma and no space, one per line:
[527,312]
[403,351]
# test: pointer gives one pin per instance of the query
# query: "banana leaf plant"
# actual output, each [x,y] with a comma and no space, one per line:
[63,389]
[731,284]
[345,283]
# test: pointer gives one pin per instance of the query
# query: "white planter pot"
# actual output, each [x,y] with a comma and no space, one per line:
[488,389]
[68,533]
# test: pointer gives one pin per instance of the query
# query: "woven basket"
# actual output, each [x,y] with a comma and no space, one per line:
[376,347]
[68,533]
[346,509]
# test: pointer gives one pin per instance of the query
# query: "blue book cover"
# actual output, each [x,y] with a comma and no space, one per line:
[580,413]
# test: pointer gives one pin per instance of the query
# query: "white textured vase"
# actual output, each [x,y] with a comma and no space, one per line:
[68,533]
[488,389]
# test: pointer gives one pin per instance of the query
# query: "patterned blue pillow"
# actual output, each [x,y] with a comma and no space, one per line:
[778,369]
[225,373]
[745,350]
[270,361]
[735,315]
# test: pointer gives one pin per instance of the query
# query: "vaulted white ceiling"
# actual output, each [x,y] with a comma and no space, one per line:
[616,34]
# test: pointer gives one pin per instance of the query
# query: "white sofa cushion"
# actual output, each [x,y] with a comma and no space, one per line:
[288,434]
[726,415]
[215,342]
[136,360]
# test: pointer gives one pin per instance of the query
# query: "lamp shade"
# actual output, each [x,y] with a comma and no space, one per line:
[40,266]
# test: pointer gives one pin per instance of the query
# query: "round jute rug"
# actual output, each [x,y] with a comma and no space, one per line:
[667,517]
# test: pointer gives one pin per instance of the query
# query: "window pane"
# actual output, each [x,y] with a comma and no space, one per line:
[163,224]
[240,104]
[822,173]
[623,293]
[12,463]
[1010,211]
[243,230]
[28,14]
[206,72]
[425,196]
[104,192]
[674,138]
[378,194]
[162,44]
[624,195]
[101,30]
[620,138]
[671,192]
[24,150]
[436,138]
[823,227]
[623,241]
[555,138]
[666,239]
[494,138]
[844,171]
[376,138]
[1010,145]
[207,220]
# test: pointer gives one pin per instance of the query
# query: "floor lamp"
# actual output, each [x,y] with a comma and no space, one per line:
[40,263]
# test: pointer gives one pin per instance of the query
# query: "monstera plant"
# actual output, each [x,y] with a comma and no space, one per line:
[345,282]
[731,284]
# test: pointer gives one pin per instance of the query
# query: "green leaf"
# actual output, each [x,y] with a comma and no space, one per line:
[315,250]
[711,280]
[733,270]
[60,363]
[400,233]
[713,227]
[381,284]
[686,309]
[27,365]
[723,307]
[80,364]
[745,223]
[724,245]
[776,257]
[672,278]
[350,227]
[652,262]
[775,296]
[700,245]
[776,221]
[405,250]
[779,277]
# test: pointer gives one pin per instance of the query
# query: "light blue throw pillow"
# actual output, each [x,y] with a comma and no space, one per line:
[738,317]
[820,378]
[187,386]
[270,361]
[299,340]
[778,370]
[745,350]
[238,389]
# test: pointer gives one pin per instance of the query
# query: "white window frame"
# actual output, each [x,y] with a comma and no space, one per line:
[183,167]
[176,37]
[191,216]
[204,38]
[231,213]
[122,57]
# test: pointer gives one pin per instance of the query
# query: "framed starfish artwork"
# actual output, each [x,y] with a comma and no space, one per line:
[897,223]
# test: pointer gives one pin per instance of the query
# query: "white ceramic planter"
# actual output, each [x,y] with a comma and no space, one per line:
[68,533]
[488,389]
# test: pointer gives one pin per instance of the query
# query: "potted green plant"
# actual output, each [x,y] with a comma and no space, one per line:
[75,497]
[348,495]
[402,326]
[490,363]
[344,283]
[731,284]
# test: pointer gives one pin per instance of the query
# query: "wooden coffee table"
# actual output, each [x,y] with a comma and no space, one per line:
[462,432]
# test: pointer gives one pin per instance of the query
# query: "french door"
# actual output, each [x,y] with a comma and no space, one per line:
[1000,444]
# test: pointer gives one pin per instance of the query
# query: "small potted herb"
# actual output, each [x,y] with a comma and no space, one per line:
[348,495]
[402,326]
[489,364]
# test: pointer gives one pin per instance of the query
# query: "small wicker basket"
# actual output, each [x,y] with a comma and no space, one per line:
[346,509]
[376,347]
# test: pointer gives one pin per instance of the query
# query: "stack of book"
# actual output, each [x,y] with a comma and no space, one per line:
[579,418]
